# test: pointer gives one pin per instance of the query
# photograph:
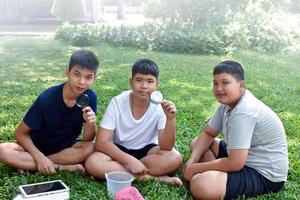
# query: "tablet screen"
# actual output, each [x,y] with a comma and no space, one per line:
[40,188]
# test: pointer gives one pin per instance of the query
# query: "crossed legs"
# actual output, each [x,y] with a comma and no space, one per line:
[209,184]
[159,162]
[69,159]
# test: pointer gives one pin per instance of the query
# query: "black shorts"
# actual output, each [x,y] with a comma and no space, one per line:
[137,153]
[247,182]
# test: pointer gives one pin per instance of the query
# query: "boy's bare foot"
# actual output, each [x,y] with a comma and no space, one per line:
[165,179]
[170,180]
[72,168]
[21,171]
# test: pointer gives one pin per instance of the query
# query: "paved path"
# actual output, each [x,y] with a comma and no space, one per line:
[49,28]
[28,29]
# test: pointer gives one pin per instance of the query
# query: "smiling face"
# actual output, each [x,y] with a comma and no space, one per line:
[80,79]
[227,89]
[143,85]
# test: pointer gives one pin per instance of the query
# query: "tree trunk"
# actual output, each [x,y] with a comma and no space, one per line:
[121,11]
[95,11]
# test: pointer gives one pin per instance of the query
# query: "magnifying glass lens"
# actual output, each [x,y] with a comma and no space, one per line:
[156,97]
[82,100]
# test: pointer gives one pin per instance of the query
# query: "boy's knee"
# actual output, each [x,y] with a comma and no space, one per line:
[208,185]
[89,160]
[198,186]
[5,149]
[2,150]
[178,158]
[92,164]
[174,161]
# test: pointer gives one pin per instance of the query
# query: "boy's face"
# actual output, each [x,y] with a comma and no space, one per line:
[227,89]
[80,79]
[143,85]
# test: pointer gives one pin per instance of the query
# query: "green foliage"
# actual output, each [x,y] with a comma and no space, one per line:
[203,12]
[197,12]
[69,10]
[151,36]
[267,31]
[219,27]
[29,65]
[257,25]
[80,35]
[295,6]
[241,31]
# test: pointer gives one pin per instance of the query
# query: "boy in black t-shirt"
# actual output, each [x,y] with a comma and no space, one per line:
[46,139]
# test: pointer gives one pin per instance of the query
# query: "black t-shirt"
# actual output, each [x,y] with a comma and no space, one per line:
[53,125]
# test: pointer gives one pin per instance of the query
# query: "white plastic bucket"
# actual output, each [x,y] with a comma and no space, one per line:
[117,180]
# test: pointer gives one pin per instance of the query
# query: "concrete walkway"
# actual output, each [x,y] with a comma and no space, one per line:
[28,29]
[49,28]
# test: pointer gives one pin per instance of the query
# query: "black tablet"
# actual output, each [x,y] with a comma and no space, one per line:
[44,188]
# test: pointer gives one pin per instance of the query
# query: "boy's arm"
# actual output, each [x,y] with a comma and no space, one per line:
[203,142]
[167,136]
[234,162]
[44,164]
[104,144]
[89,127]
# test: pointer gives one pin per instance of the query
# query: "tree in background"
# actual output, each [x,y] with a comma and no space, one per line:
[205,12]
[121,11]
[69,10]
[121,4]
[295,6]
[196,12]
[255,24]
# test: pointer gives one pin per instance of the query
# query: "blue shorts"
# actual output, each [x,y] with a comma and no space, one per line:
[137,153]
[247,182]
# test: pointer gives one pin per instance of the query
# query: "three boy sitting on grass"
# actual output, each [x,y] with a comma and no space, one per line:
[138,136]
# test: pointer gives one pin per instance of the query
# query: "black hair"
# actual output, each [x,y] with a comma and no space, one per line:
[230,67]
[145,66]
[85,59]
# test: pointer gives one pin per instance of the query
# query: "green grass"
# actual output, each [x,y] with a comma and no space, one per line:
[30,65]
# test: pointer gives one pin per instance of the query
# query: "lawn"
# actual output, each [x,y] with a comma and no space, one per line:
[30,65]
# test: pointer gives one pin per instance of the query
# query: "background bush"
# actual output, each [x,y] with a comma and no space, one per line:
[219,27]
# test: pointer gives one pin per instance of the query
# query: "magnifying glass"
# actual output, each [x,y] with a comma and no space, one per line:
[156,97]
[82,100]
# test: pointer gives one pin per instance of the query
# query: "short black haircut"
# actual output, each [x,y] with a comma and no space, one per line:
[85,59]
[230,67]
[145,66]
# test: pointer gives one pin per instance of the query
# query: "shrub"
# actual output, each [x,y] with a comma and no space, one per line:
[151,36]
[252,31]
[69,10]
[66,32]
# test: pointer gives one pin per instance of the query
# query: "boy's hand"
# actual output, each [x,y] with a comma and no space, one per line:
[45,165]
[137,167]
[187,171]
[169,109]
[89,115]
